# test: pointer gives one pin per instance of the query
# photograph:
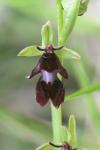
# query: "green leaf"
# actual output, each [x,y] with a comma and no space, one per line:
[67,53]
[72,8]
[26,129]
[67,4]
[46,146]
[87,90]
[30,51]
[82,148]
[72,130]
[65,134]
[83,7]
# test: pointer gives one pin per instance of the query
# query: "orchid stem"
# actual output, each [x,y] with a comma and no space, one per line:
[56,123]
[57,113]
[64,29]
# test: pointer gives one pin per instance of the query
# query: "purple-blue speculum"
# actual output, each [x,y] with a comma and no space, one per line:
[49,86]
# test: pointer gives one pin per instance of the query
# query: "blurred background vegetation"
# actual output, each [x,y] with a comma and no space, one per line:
[24,124]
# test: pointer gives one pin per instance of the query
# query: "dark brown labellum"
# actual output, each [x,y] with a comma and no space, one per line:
[49,86]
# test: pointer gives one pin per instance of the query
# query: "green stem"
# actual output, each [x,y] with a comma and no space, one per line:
[56,123]
[57,113]
[63,32]
[62,37]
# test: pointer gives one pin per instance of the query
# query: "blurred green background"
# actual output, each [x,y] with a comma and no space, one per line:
[24,125]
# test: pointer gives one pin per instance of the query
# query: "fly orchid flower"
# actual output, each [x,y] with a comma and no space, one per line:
[49,86]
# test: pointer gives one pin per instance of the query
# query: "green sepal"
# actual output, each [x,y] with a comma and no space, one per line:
[72,130]
[67,53]
[51,34]
[47,34]
[45,146]
[30,51]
